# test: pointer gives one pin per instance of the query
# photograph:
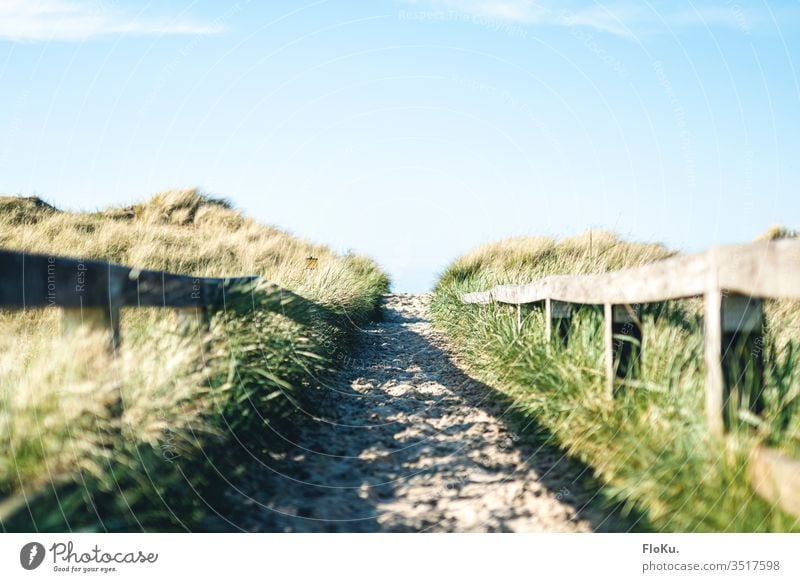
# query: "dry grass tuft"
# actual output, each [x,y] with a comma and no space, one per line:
[777,232]
[24,210]
[185,208]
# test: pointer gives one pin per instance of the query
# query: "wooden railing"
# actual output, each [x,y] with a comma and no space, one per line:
[732,280]
[92,292]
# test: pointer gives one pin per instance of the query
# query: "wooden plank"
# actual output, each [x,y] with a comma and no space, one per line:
[158,289]
[762,269]
[776,477]
[34,280]
[669,279]
[42,280]
[510,294]
[217,290]
[478,298]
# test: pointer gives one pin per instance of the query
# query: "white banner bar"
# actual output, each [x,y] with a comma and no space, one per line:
[401,557]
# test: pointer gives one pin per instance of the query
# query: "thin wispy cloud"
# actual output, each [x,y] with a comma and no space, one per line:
[73,20]
[619,17]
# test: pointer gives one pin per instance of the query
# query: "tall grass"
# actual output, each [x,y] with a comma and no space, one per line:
[147,438]
[650,445]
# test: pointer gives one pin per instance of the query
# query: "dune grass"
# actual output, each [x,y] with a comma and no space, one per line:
[147,438]
[650,446]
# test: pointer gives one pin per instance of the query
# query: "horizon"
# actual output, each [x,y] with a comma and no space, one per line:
[413,131]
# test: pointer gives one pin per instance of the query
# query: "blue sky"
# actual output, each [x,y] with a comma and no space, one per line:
[414,130]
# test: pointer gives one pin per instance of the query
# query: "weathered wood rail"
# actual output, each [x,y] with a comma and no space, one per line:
[92,292]
[732,280]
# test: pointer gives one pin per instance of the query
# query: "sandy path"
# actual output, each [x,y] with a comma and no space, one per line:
[408,442]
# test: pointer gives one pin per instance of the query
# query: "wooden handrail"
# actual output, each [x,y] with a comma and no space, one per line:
[36,280]
[763,269]
[91,292]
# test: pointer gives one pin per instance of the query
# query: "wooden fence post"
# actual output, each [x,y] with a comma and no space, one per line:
[548,319]
[713,356]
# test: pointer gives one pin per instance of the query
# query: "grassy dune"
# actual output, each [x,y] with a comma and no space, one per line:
[650,447]
[146,438]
